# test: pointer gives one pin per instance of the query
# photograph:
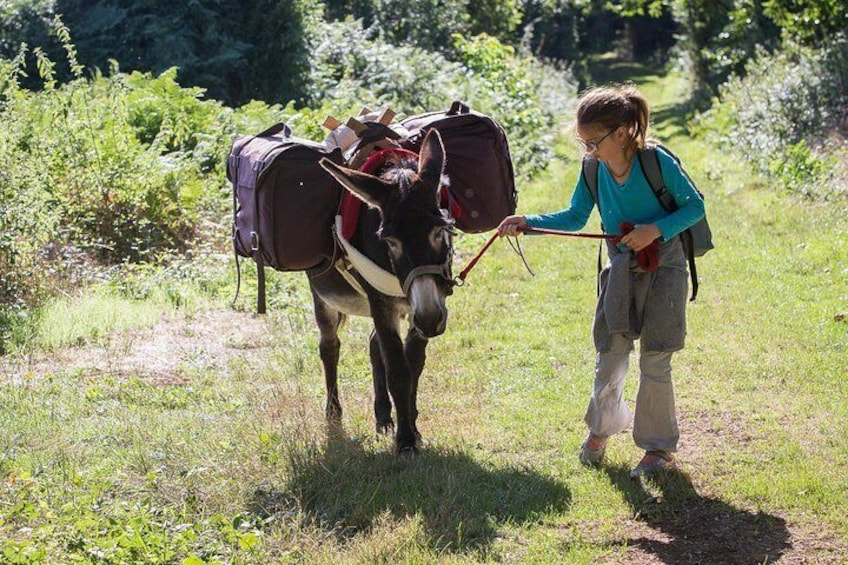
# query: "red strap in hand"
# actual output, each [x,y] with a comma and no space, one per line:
[649,258]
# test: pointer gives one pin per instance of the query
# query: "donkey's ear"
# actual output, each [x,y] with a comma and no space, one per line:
[367,188]
[431,160]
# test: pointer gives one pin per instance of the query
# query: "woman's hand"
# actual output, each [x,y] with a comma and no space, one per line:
[640,237]
[512,225]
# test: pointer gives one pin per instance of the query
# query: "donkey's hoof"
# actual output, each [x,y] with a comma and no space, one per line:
[385,428]
[407,451]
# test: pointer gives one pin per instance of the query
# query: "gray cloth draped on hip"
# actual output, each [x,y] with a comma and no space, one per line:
[642,305]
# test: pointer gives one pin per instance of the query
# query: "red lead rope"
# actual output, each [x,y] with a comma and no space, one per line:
[543,231]
[648,258]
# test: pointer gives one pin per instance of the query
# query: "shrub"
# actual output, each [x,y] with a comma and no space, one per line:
[98,172]
[526,96]
[779,114]
[350,65]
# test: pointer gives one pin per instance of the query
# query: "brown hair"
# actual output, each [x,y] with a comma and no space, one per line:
[614,106]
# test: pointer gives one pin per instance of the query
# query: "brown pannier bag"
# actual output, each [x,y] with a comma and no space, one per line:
[482,181]
[284,203]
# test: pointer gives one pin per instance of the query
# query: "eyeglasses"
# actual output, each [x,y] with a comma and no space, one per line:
[593,146]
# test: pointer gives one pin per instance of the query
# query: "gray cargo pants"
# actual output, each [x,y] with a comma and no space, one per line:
[655,422]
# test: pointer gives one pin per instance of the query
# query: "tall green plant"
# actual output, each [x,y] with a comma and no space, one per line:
[237,51]
[429,24]
[100,171]
[778,113]
[351,66]
[510,88]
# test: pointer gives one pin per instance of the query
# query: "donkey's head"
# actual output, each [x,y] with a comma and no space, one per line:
[416,233]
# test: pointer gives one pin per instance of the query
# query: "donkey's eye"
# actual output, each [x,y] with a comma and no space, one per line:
[392,242]
[440,236]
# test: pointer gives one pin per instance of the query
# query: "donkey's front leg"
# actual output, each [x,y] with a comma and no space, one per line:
[416,353]
[382,404]
[329,320]
[398,376]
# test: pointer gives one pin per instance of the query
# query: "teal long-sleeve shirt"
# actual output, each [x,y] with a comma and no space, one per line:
[633,202]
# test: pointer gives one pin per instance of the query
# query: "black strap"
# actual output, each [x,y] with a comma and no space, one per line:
[275,129]
[260,282]
[589,171]
[256,249]
[689,242]
[458,107]
[650,163]
[233,163]
[590,177]
[598,276]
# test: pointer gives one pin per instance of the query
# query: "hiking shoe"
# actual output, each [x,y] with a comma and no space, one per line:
[592,450]
[652,463]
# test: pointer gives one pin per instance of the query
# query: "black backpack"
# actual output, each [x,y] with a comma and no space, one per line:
[697,239]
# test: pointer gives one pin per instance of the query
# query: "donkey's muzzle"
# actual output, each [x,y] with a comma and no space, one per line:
[427,300]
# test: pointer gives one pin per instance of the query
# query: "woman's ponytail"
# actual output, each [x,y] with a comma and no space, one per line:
[641,113]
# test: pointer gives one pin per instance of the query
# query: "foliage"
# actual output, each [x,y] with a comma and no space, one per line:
[97,172]
[720,38]
[500,18]
[527,97]
[276,67]
[350,65]
[235,50]
[778,113]
[26,22]
[636,29]
[264,52]
[510,89]
[429,24]
[812,22]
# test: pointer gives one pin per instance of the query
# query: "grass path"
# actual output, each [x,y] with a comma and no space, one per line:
[200,438]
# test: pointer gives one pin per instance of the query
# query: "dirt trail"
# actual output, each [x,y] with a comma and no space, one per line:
[164,352]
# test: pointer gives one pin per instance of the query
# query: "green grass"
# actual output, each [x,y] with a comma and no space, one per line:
[234,463]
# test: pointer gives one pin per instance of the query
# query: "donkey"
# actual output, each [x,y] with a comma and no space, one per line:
[405,232]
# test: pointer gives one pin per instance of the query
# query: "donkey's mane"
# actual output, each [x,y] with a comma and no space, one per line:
[400,171]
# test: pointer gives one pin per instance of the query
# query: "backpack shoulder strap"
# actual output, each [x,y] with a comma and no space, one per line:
[589,173]
[650,163]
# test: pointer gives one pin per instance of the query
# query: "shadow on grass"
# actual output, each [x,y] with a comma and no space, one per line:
[677,115]
[696,529]
[607,70]
[459,501]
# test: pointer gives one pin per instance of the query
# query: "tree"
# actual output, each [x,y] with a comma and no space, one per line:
[810,21]
[237,51]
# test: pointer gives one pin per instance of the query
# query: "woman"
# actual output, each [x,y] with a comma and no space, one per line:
[611,125]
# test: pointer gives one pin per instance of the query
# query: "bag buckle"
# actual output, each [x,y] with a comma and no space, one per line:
[254,241]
